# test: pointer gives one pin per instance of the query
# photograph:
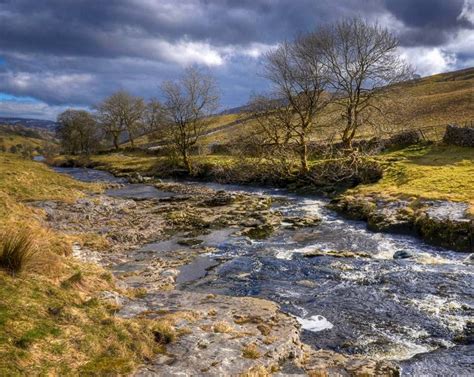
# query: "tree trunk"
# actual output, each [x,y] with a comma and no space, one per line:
[116,144]
[304,156]
[132,142]
[186,161]
[346,139]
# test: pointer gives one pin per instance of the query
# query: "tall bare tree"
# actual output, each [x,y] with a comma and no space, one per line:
[364,63]
[188,103]
[299,79]
[121,112]
[77,131]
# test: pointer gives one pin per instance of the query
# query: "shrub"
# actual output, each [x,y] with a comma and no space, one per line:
[347,171]
[16,250]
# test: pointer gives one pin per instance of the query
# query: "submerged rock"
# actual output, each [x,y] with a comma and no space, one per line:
[220,198]
[259,232]
[336,254]
[402,254]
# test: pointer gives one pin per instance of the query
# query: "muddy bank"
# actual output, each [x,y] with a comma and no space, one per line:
[158,237]
[441,223]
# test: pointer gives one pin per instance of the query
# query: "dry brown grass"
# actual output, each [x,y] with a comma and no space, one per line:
[16,250]
[251,351]
[223,327]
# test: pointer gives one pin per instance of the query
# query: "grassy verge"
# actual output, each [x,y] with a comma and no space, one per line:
[52,321]
[50,327]
[427,172]
[23,181]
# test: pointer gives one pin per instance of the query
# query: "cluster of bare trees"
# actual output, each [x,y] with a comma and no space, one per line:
[348,66]
[180,119]
[345,69]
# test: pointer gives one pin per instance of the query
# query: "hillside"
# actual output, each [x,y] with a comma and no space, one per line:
[429,103]
[18,138]
[39,124]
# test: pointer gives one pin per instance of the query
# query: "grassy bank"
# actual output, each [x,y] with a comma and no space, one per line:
[23,181]
[431,172]
[51,319]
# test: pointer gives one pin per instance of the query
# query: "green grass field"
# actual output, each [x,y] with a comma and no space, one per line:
[427,172]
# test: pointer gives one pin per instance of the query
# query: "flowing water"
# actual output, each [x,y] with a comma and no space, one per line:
[415,311]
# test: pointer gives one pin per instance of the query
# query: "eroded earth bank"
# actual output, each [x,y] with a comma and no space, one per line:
[260,281]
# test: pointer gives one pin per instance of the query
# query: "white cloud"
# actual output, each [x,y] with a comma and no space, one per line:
[30,109]
[429,61]
[467,11]
[65,84]
[188,52]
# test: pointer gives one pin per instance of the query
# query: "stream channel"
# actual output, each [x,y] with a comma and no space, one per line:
[417,311]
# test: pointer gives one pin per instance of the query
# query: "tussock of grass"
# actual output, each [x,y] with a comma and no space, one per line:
[164,332]
[16,250]
[251,351]
[223,327]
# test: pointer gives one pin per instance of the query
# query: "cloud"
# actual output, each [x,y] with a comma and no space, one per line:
[27,108]
[76,52]
[467,11]
[429,60]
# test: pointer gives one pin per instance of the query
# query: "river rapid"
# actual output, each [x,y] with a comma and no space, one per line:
[417,311]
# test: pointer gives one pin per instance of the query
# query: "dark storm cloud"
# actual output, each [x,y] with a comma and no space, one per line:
[75,52]
[427,22]
[111,28]
[426,13]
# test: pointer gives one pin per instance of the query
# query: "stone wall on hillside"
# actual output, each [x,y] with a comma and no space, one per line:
[461,136]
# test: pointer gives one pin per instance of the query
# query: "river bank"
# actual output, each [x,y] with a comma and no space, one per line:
[425,190]
[158,237]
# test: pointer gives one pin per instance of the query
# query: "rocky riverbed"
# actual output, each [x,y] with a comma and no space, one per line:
[209,258]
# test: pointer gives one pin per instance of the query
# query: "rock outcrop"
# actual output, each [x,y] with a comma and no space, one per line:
[439,222]
[232,336]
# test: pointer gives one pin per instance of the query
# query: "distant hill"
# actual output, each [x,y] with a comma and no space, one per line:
[47,125]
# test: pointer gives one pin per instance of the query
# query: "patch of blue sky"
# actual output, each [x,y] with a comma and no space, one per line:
[13,98]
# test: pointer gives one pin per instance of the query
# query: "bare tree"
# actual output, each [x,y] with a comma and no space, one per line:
[364,63]
[274,131]
[78,131]
[154,116]
[188,103]
[300,80]
[121,112]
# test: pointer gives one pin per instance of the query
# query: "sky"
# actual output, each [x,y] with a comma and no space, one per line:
[57,54]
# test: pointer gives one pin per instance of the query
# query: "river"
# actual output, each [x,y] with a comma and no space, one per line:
[416,311]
